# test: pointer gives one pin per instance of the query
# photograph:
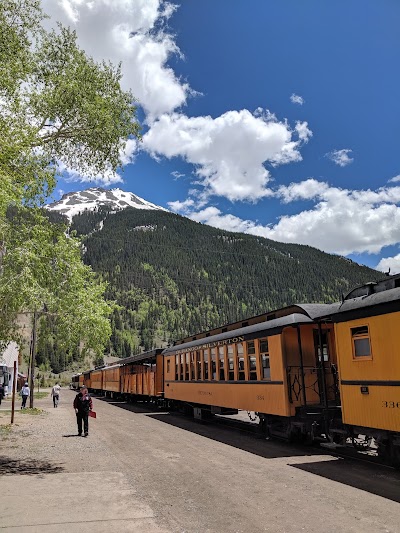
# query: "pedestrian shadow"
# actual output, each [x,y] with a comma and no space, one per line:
[21,467]
[73,435]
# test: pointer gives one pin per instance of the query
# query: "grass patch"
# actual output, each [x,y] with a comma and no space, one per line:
[5,430]
[40,395]
[29,411]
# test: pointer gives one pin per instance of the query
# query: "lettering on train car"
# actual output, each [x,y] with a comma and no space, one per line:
[205,393]
[233,340]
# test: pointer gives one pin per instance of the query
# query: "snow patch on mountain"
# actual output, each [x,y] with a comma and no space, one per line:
[73,203]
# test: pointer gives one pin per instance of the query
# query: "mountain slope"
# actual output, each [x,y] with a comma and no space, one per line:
[174,277]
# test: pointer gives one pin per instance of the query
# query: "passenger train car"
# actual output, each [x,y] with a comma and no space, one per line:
[310,371]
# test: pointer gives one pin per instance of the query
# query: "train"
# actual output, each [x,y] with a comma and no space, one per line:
[311,372]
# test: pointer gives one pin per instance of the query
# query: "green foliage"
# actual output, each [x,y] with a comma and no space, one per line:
[172,277]
[59,109]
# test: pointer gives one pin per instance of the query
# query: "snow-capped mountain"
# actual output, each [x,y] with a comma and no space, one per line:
[74,203]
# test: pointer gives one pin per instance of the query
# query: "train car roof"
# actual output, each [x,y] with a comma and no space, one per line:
[145,356]
[269,327]
[376,303]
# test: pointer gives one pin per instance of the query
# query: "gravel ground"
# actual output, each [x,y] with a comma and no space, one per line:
[201,478]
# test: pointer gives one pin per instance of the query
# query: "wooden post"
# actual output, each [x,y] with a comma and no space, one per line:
[13,392]
[33,356]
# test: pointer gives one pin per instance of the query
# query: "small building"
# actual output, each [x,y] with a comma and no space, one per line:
[7,358]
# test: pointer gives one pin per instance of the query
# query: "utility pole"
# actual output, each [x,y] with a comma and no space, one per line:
[33,357]
[13,392]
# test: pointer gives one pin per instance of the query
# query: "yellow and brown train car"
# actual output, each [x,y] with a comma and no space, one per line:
[367,335]
[142,376]
[274,368]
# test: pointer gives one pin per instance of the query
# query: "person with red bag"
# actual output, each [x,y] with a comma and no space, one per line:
[83,405]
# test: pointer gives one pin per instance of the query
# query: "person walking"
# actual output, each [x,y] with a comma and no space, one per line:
[25,393]
[55,392]
[1,391]
[82,405]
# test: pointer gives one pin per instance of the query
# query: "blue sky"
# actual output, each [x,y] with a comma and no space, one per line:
[273,118]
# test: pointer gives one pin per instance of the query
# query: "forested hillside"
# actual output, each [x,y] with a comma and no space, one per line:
[173,277]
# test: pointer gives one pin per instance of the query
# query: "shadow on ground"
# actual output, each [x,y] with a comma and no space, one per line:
[27,467]
[230,432]
[374,479]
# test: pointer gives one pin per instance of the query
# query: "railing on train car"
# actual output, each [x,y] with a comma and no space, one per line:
[314,389]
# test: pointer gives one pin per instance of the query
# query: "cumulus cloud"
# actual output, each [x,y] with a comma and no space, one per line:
[341,157]
[229,151]
[341,221]
[131,31]
[296,99]
[396,179]
[305,190]
[392,263]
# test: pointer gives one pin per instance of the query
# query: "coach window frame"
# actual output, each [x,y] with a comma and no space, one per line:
[214,364]
[264,355]
[231,356]
[240,361]
[356,334]
[252,355]
[222,352]
[207,365]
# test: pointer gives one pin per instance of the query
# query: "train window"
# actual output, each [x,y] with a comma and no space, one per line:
[206,364]
[266,370]
[182,367]
[264,353]
[168,366]
[192,366]
[213,363]
[198,365]
[177,364]
[231,368]
[187,366]
[361,342]
[241,367]
[221,356]
[251,352]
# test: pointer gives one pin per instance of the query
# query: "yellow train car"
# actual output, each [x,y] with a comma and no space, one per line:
[111,380]
[76,381]
[367,331]
[87,381]
[284,368]
[142,376]
[96,380]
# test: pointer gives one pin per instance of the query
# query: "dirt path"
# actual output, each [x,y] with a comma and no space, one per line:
[159,472]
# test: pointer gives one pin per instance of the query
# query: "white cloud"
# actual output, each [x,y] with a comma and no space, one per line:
[129,31]
[296,99]
[177,174]
[127,154]
[340,157]
[181,207]
[228,151]
[305,190]
[396,179]
[392,263]
[342,221]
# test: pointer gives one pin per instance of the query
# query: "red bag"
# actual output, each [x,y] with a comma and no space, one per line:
[92,414]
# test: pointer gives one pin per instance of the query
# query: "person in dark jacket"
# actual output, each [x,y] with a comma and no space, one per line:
[82,405]
[1,391]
